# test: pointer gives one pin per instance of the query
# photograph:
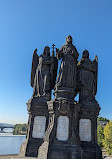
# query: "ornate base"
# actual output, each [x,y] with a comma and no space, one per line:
[70,134]
[91,151]
[88,131]
[74,134]
[90,103]
[37,124]
[65,152]
[62,93]
[63,143]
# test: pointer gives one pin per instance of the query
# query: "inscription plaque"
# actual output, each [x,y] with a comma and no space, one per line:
[62,128]
[39,127]
[85,130]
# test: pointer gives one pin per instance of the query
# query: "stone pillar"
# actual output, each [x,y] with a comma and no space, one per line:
[73,132]
[88,131]
[76,147]
[64,139]
[37,124]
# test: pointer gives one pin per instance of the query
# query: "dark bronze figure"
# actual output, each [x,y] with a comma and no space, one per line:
[42,74]
[67,76]
[87,78]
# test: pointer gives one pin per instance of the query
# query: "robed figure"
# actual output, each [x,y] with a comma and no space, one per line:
[67,76]
[43,74]
[87,78]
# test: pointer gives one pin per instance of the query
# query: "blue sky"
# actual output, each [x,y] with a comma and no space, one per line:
[26,25]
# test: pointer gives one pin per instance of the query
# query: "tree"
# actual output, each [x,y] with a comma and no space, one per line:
[102,119]
[18,128]
[100,135]
[24,127]
[107,141]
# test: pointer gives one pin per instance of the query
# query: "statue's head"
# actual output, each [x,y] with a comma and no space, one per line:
[85,54]
[69,39]
[46,50]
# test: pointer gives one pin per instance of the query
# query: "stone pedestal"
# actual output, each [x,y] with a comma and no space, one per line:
[62,93]
[88,131]
[64,140]
[74,133]
[37,124]
[69,131]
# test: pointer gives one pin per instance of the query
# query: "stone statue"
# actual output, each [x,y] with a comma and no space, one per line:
[67,76]
[62,128]
[43,72]
[87,78]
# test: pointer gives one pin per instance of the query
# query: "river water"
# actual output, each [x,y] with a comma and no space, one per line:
[9,143]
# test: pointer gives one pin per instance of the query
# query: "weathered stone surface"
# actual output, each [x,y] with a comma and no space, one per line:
[90,148]
[39,127]
[8,156]
[67,76]
[61,148]
[85,130]
[62,128]
[23,157]
[43,74]
[43,150]
[71,127]
[23,147]
[35,108]
[87,79]
[66,93]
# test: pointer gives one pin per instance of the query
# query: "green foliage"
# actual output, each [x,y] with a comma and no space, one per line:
[100,135]
[107,141]
[18,128]
[102,119]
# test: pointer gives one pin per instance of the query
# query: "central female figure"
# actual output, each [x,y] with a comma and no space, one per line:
[67,76]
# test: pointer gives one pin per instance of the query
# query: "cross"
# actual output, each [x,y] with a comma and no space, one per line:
[53,46]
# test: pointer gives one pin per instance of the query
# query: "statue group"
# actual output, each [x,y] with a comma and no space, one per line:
[62,128]
[81,76]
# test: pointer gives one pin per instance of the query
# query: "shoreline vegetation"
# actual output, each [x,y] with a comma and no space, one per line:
[104,134]
[20,129]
